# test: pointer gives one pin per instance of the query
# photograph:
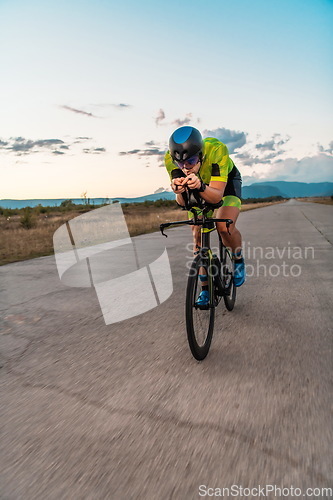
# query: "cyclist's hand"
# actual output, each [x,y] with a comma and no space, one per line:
[177,185]
[193,181]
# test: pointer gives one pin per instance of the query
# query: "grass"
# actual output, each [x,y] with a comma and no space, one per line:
[18,243]
[29,234]
[252,206]
[324,200]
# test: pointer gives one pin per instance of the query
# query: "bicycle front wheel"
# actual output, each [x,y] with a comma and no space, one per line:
[199,320]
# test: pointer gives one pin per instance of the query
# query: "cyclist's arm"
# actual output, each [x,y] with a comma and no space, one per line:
[221,165]
[180,200]
[178,189]
[214,192]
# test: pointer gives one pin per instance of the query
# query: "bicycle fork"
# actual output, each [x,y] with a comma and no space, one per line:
[209,266]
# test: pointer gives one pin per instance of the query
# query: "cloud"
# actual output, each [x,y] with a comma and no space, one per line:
[178,122]
[94,150]
[108,105]
[121,106]
[318,168]
[233,139]
[250,179]
[144,152]
[48,142]
[328,150]
[152,150]
[248,159]
[80,111]
[20,145]
[79,140]
[274,144]
[266,146]
[160,117]
[185,121]
[131,152]
[155,151]
[263,152]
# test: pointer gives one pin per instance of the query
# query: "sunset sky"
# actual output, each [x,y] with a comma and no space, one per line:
[91,91]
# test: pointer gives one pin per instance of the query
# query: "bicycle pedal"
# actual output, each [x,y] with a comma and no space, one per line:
[202,308]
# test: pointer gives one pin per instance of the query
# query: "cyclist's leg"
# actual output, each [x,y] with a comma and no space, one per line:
[196,234]
[234,239]
[230,210]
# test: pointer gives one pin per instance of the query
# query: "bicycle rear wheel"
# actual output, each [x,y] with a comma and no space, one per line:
[199,321]
[228,278]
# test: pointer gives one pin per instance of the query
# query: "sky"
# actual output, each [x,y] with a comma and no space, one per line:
[91,91]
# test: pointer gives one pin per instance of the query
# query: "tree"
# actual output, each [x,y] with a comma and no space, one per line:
[67,204]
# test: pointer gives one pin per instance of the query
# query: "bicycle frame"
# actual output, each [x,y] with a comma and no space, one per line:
[205,251]
[200,316]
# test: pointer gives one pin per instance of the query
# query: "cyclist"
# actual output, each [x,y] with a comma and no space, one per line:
[204,165]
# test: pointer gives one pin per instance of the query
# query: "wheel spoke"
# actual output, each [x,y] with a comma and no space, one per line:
[228,279]
[199,321]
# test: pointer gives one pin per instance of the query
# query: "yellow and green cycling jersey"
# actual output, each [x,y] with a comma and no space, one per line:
[216,166]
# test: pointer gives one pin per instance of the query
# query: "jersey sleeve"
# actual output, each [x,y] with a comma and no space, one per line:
[221,163]
[169,165]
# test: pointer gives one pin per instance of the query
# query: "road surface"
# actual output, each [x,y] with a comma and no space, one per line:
[123,411]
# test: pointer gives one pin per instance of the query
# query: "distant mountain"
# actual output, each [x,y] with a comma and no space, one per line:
[257,190]
[287,189]
[166,195]
[260,191]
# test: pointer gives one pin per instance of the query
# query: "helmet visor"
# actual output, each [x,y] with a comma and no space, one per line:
[193,160]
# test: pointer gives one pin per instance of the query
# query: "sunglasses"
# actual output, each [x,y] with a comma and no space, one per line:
[190,161]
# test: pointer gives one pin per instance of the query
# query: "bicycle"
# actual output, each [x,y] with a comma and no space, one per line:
[219,271]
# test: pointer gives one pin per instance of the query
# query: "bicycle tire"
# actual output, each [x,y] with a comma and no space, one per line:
[199,322]
[228,278]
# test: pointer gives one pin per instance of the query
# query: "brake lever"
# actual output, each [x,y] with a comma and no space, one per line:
[228,224]
[162,226]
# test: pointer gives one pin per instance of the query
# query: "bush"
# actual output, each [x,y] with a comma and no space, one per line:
[67,204]
[42,210]
[27,220]
[6,212]
[39,209]
[263,200]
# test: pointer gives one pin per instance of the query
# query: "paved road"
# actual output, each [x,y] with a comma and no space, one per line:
[124,412]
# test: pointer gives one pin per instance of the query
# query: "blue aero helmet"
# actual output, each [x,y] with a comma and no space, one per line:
[184,143]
